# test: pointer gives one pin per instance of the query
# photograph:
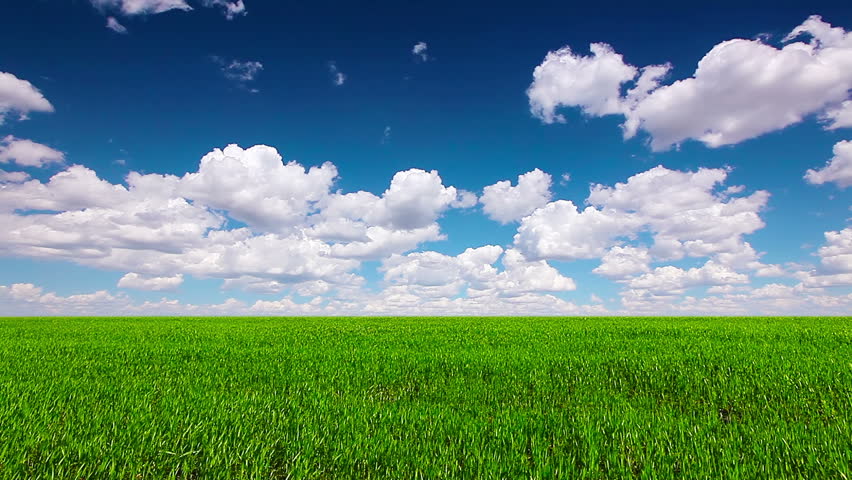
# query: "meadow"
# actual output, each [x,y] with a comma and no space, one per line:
[426,398]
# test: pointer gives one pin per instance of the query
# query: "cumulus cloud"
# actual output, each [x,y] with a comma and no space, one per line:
[17,95]
[506,203]
[445,276]
[835,267]
[27,153]
[671,280]
[837,170]
[420,50]
[143,282]
[682,210]
[741,89]
[297,229]
[620,262]
[839,117]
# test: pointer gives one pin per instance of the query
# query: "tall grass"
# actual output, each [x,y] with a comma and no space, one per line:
[413,398]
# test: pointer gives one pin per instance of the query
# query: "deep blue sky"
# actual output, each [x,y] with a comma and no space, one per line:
[154,98]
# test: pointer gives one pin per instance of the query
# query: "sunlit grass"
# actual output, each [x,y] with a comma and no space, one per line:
[426,398]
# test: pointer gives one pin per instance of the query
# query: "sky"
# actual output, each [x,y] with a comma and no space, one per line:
[257,157]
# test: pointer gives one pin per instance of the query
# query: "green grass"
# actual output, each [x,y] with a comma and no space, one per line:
[412,398]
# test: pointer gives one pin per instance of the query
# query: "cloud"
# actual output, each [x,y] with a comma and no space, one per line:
[240,72]
[17,95]
[839,117]
[337,77]
[386,135]
[13,177]
[435,274]
[420,50]
[835,267]
[116,27]
[741,89]
[142,7]
[297,229]
[670,280]
[27,153]
[504,203]
[621,262]
[837,170]
[143,282]
[230,8]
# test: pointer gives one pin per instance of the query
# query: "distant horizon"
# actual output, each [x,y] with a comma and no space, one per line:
[251,158]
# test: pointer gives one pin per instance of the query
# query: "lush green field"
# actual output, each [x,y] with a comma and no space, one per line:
[426,398]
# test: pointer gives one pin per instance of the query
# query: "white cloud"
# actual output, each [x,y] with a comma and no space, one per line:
[240,72]
[115,26]
[27,153]
[17,95]
[837,170]
[420,50]
[670,280]
[144,282]
[425,272]
[13,177]
[386,135]
[839,116]
[142,7]
[296,231]
[256,187]
[621,262]
[337,77]
[741,89]
[591,83]
[231,8]
[504,203]
[681,210]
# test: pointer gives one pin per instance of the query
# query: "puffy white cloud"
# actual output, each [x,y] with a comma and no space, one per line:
[143,282]
[426,272]
[17,95]
[620,262]
[568,79]
[835,268]
[28,153]
[115,26]
[741,88]
[420,50]
[839,117]
[681,210]
[255,187]
[505,203]
[670,280]
[837,170]
[163,226]
[13,177]
[559,231]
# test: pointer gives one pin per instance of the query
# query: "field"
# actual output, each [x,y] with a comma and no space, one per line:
[409,398]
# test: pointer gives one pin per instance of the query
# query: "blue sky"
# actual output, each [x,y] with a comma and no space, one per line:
[109,106]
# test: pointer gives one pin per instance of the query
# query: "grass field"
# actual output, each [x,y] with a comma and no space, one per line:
[410,398]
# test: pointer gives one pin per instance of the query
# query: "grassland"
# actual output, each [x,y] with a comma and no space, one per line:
[410,398]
